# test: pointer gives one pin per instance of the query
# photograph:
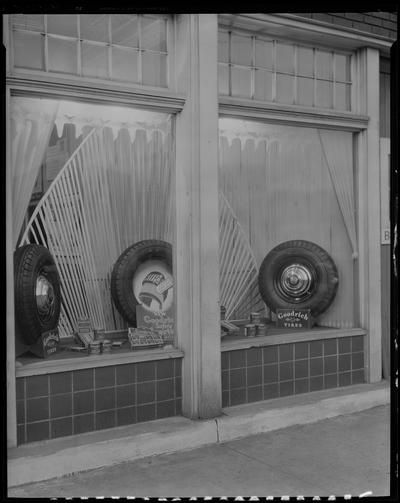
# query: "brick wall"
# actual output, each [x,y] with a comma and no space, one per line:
[383,24]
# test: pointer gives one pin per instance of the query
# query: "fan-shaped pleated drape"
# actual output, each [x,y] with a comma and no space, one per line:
[239,292]
[340,166]
[109,195]
[277,181]
[31,122]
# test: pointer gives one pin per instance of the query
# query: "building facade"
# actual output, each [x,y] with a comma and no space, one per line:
[218,138]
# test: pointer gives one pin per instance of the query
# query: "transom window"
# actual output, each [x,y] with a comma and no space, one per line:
[121,47]
[265,69]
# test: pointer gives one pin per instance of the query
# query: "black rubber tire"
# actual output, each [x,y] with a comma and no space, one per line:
[30,262]
[313,257]
[124,269]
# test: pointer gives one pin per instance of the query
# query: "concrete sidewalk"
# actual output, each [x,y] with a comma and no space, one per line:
[348,454]
[39,461]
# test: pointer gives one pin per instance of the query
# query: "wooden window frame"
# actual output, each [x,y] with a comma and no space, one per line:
[78,77]
[364,122]
[252,67]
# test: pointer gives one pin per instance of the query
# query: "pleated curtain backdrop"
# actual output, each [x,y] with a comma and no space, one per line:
[111,194]
[279,185]
[31,123]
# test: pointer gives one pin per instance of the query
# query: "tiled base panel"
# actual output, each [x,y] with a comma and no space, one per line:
[260,373]
[77,401]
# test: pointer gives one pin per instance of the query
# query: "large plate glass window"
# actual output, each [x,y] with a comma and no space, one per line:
[131,48]
[282,183]
[93,184]
[267,69]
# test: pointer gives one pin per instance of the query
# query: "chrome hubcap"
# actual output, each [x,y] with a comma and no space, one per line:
[296,282]
[45,298]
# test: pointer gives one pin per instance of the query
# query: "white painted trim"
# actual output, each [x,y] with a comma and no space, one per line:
[384,164]
[197,230]
[95,361]
[368,178]
[288,338]
[293,27]
[11,384]
[113,94]
[293,115]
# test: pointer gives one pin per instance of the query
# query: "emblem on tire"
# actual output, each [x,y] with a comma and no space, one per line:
[143,275]
[298,274]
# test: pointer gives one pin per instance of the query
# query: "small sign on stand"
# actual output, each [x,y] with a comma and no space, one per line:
[294,318]
[47,344]
[160,322]
[144,338]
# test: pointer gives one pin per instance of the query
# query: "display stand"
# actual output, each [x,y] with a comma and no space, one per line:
[47,344]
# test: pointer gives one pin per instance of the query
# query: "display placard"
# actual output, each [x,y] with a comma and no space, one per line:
[160,322]
[293,318]
[144,338]
[47,344]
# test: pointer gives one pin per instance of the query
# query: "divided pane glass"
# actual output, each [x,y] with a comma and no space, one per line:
[124,30]
[324,98]
[94,61]
[154,34]
[323,64]
[124,65]
[62,55]
[305,91]
[94,27]
[223,79]
[264,54]
[342,67]
[62,24]
[241,82]
[241,50]
[284,88]
[305,61]
[342,96]
[263,85]
[223,46]
[28,50]
[154,69]
[31,22]
[284,58]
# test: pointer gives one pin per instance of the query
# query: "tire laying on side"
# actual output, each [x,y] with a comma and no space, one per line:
[123,274]
[37,291]
[298,274]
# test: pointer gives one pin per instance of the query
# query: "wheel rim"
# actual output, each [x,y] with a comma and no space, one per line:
[296,282]
[45,298]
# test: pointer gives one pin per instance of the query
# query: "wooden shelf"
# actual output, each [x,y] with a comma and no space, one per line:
[282,336]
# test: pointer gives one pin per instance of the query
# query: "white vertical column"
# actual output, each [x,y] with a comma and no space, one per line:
[11,384]
[196,242]
[369,215]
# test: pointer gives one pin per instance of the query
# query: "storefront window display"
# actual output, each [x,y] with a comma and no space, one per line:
[132,204]
[105,180]
[288,183]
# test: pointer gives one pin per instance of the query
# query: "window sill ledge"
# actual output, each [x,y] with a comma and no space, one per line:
[63,361]
[280,336]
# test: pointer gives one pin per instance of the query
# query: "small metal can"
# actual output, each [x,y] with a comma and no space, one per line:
[95,347]
[261,330]
[255,318]
[250,330]
[106,346]
[100,334]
